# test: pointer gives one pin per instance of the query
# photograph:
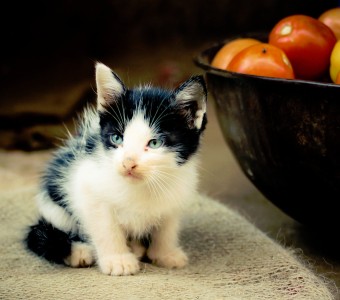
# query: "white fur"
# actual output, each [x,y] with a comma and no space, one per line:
[55,214]
[111,204]
[102,180]
[81,255]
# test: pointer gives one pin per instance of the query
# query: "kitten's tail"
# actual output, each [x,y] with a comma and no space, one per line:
[48,242]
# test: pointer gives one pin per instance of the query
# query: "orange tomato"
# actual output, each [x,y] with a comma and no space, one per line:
[331,18]
[229,50]
[262,60]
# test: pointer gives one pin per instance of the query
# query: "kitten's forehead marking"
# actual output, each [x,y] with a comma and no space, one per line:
[137,133]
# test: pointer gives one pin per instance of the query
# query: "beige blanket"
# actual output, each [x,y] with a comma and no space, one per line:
[229,257]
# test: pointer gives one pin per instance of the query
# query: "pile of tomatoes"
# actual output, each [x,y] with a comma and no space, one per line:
[298,47]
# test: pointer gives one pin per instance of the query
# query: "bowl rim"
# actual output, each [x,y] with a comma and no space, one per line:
[200,61]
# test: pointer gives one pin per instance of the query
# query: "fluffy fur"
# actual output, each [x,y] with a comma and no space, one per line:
[113,194]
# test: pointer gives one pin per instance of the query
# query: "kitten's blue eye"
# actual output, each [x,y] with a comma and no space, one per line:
[116,139]
[155,143]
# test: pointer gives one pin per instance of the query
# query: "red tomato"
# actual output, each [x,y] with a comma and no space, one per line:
[331,18]
[307,42]
[262,60]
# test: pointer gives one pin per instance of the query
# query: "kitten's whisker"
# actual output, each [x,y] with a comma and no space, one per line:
[155,117]
[157,179]
[159,118]
[123,114]
[167,178]
[162,179]
[154,188]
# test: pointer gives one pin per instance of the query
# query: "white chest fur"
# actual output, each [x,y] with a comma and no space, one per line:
[136,207]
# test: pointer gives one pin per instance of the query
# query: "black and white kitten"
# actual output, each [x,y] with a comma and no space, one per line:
[125,177]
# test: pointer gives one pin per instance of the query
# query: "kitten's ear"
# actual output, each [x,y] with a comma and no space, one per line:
[109,86]
[192,99]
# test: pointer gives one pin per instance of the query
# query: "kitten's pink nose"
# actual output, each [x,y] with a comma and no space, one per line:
[129,164]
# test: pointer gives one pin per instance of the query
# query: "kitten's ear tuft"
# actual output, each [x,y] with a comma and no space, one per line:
[191,97]
[109,86]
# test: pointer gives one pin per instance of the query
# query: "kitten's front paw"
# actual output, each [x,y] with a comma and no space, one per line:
[137,249]
[81,255]
[119,264]
[175,258]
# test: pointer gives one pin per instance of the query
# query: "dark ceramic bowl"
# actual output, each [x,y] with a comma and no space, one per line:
[285,135]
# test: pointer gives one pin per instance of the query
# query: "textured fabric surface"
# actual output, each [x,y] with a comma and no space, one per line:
[229,257]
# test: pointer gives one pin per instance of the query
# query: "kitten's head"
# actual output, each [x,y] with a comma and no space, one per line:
[148,130]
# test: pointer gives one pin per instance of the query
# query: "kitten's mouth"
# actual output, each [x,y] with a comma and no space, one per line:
[132,176]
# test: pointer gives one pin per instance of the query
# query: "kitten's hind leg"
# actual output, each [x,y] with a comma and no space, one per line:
[82,255]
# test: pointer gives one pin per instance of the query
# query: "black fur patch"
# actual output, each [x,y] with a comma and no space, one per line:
[49,242]
[55,172]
